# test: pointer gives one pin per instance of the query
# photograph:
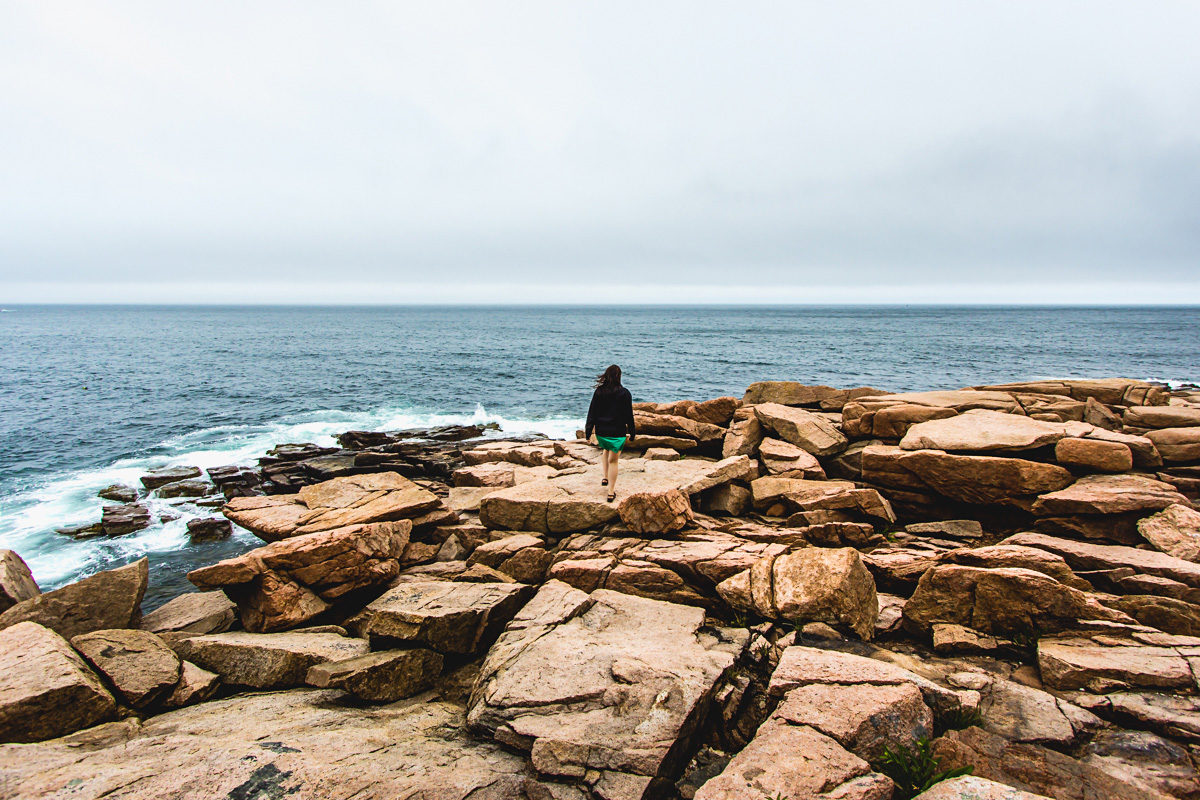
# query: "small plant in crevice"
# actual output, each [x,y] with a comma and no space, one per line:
[914,769]
[776,796]
[1026,639]
[961,718]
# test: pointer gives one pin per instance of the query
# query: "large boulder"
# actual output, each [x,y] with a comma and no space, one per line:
[267,660]
[602,684]
[16,581]
[982,430]
[294,744]
[1162,416]
[1094,454]
[1006,601]
[784,458]
[1177,445]
[46,689]
[745,434]
[192,612]
[1108,494]
[965,478]
[109,599]
[382,677]
[718,411]
[808,431]
[791,393]
[575,500]
[1175,531]
[449,617]
[288,582]
[815,584]
[336,503]
[141,667]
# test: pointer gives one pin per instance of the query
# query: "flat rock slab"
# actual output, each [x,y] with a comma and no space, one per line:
[1088,556]
[1068,663]
[966,478]
[602,681]
[192,612]
[46,689]
[575,501]
[982,430]
[336,503]
[267,660]
[137,663]
[449,617]
[1109,494]
[109,599]
[294,744]
[383,677]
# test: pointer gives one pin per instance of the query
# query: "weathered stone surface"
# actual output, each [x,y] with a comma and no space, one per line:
[520,557]
[1110,391]
[790,393]
[1144,760]
[161,477]
[195,686]
[951,638]
[46,689]
[1023,714]
[382,677]
[802,666]
[661,454]
[192,612]
[837,496]
[770,489]
[784,458]
[576,501]
[16,581]
[1013,555]
[1033,768]
[970,787]
[1177,445]
[1168,713]
[982,430]
[795,761]
[1165,613]
[450,617]
[718,411]
[109,599]
[188,488]
[810,585]
[137,663]
[1093,454]
[618,683]
[730,500]
[1089,556]
[1175,531]
[1162,416]
[890,416]
[683,570]
[966,478]
[336,503]
[1109,494]
[953,528]
[294,744]
[267,660]
[808,431]
[288,582]
[656,512]
[1005,601]
[118,493]
[864,719]
[745,434]
[1077,663]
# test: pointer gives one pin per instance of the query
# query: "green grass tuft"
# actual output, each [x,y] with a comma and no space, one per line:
[914,769]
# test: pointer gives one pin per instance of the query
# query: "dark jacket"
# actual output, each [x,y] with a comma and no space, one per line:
[610,414]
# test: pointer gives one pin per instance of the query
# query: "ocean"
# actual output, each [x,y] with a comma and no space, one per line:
[95,395]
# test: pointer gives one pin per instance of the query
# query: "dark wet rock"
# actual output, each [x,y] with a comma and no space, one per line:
[209,529]
[161,477]
[119,492]
[124,519]
[188,488]
[236,481]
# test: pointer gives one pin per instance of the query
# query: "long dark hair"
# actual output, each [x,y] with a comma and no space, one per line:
[610,379]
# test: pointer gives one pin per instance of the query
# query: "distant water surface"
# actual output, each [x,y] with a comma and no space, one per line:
[93,395]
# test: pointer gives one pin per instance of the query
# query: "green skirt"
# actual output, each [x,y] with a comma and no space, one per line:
[613,443]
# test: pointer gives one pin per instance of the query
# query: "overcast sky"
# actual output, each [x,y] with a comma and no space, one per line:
[567,151]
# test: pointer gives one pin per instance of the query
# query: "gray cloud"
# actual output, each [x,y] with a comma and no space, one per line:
[545,151]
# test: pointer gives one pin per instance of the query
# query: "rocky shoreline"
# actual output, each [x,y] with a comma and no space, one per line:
[805,592]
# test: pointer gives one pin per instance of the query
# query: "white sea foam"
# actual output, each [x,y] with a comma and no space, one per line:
[28,519]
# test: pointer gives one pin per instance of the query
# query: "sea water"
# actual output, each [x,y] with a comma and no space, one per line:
[92,395]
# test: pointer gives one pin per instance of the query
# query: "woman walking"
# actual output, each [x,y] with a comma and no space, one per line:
[611,416]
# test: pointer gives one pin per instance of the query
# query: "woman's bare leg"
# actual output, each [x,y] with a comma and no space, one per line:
[612,481]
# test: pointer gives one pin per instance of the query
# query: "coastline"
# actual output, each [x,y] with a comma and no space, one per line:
[975,566]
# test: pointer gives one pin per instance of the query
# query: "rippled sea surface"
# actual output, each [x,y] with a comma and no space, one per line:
[95,395]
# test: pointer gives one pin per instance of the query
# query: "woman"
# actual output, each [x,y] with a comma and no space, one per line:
[611,416]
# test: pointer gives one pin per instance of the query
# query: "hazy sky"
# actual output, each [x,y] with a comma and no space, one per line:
[567,151]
